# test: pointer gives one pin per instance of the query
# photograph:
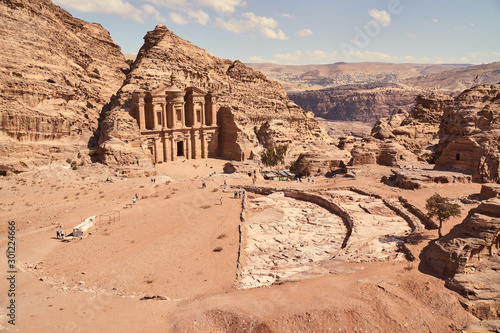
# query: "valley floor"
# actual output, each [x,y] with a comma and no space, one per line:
[180,242]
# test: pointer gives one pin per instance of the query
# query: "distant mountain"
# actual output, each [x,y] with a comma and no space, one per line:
[314,77]
[459,79]
[390,87]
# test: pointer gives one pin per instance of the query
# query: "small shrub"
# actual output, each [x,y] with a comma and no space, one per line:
[215,189]
[68,160]
[206,206]
[74,167]
[17,74]
[221,236]
[217,249]
[167,196]
[142,186]
[96,71]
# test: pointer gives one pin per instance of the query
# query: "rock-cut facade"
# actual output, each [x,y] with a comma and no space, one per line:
[177,123]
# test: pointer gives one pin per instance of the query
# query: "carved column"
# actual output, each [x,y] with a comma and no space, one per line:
[163,116]
[187,146]
[138,100]
[158,150]
[196,145]
[203,141]
[165,147]
[210,112]
[155,118]
[173,148]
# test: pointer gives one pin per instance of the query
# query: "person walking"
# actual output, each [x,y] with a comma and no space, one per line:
[221,201]
[57,234]
[62,234]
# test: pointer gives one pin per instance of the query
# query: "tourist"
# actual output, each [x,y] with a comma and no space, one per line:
[57,234]
[62,234]
[239,194]
[221,201]
[137,196]
[133,200]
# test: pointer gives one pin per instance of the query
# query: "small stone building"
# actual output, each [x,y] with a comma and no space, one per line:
[177,123]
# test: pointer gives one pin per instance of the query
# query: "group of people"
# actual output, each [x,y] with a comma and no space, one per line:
[60,233]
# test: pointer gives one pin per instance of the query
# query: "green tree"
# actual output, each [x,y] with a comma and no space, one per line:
[441,208]
[273,155]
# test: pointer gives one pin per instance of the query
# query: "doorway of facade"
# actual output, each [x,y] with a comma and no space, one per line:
[180,148]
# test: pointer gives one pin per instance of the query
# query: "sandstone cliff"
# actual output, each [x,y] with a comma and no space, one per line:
[470,254]
[470,134]
[418,130]
[366,103]
[57,72]
[254,111]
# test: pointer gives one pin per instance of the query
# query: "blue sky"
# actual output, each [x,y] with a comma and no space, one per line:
[310,32]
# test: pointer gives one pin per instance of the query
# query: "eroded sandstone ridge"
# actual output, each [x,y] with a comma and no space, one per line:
[57,73]
[470,134]
[251,110]
[470,255]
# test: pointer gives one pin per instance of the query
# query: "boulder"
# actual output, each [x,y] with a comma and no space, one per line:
[489,191]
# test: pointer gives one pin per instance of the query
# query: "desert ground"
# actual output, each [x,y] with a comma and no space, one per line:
[162,247]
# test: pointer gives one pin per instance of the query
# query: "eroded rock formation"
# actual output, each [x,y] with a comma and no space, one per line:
[252,110]
[365,103]
[418,130]
[57,72]
[470,253]
[470,134]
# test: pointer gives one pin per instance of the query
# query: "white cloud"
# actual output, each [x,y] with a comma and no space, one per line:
[178,18]
[271,34]
[291,17]
[199,16]
[304,33]
[355,41]
[119,7]
[381,16]
[150,10]
[223,6]
[409,58]
[435,20]
[266,25]
[409,34]
[256,59]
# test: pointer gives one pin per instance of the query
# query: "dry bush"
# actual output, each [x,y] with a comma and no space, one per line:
[149,281]
[65,197]
[205,206]
[167,196]
[167,182]
[142,186]
[221,236]
[156,195]
[102,197]
[215,190]
[217,249]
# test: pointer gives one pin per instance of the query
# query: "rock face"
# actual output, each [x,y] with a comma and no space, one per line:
[387,152]
[418,130]
[470,253]
[252,110]
[57,73]
[365,103]
[470,134]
